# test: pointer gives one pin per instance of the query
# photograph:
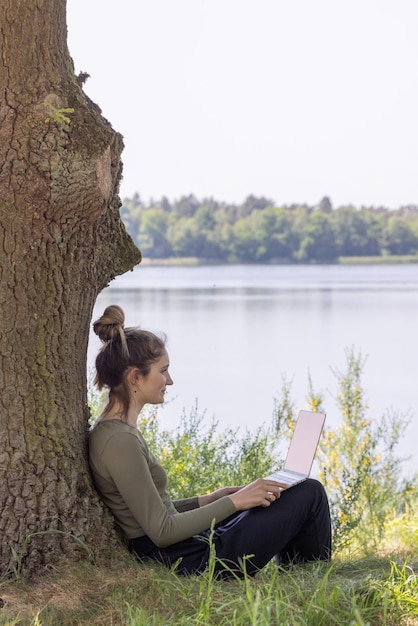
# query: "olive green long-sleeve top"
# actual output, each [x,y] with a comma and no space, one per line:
[133,485]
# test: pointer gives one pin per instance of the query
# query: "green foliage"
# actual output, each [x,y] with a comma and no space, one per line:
[96,401]
[152,234]
[402,530]
[195,445]
[260,232]
[358,464]
[399,235]
[318,240]
[359,233]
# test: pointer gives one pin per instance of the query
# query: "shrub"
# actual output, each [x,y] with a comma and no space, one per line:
[358,464]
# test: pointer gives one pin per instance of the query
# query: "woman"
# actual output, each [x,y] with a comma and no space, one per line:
[260,519]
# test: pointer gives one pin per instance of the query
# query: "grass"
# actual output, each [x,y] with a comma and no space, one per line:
[172,261]
[375,590]
[378,260]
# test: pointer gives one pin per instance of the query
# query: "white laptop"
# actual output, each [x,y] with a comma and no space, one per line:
[302,449]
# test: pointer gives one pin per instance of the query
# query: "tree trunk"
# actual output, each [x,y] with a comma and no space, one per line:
[61,242]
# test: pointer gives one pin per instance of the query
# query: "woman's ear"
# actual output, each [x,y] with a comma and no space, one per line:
[134,376]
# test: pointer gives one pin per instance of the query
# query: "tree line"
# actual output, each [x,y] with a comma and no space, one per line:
[259,231]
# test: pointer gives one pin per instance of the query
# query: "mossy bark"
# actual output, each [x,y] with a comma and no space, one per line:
[61,243]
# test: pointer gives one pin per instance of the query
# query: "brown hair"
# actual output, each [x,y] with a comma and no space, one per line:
[122,349]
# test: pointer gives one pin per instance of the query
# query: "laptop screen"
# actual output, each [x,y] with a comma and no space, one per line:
[304,442]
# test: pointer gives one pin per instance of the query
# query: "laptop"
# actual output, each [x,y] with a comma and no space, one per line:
[302,449]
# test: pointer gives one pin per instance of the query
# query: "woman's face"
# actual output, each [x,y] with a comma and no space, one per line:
[153,386]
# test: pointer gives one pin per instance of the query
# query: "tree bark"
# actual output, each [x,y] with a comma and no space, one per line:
[61,243]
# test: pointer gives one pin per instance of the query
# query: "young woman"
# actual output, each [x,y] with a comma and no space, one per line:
[258,521]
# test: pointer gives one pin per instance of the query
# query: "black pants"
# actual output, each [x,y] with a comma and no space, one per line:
[294,529]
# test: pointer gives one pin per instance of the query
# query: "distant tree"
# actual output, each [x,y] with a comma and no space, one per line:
[357,233]
[223,234]
[325,205]
[279,241]
[269,227]
[186,238]
[411,210]
[186,206]
[205,217]
[137,200]
[152,235]
[164,204]
[399,237]
[226,214]
[258,231]
[318,240]
[62,242]
[244,244]
[131,213]
[252,203]
[211,203]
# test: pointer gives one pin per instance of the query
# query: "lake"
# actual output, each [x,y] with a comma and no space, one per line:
[234,332]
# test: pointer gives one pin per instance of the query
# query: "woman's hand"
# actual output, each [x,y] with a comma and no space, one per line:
[215,495]
[261,492]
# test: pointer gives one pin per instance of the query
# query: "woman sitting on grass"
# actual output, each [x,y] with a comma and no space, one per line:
[260,519]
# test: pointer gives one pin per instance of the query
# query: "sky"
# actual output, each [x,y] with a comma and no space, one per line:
[292,100]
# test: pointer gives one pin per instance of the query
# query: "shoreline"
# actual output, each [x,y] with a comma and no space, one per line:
[195,261]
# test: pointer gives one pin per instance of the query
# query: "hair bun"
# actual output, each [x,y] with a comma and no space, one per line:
[110,324]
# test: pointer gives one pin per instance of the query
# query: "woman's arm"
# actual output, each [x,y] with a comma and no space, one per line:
[215,495]
[127,464]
